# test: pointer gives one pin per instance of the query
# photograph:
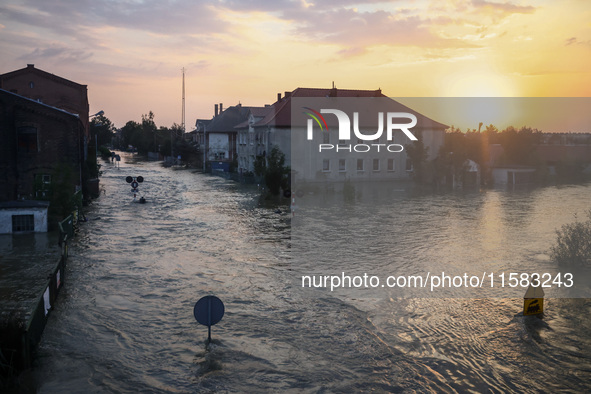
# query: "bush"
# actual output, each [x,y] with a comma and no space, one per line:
[273,171]
[573,243]
[105,152]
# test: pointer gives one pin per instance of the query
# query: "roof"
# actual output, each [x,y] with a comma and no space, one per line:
[35,102]
[202,122]
[31,69]
[280,115]
[334,92]
[22,204]
[258,113]
[228,120]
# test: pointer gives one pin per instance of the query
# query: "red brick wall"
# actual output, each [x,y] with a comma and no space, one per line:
[59,137]
[50,89]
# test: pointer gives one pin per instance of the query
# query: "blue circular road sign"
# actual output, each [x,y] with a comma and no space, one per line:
[209,310]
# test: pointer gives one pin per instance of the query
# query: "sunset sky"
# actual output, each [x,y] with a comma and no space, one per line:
[130,52]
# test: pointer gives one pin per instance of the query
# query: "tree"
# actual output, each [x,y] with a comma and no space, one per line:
[175,134]
[103,128]
[276,173]
[260,165]
[128,132]
[62,192]
[491,134]
[417,153]
[520,145]
[147,139]
[453,155]
[573,243]
[148,124]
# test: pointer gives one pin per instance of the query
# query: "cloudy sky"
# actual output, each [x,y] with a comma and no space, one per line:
[130,52]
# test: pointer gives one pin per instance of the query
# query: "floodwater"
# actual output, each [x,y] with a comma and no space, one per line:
[124,321]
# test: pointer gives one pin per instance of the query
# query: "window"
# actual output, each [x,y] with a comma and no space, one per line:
[342,142]
[27,139]
[42,185]
[31,84]
[22,223]
[342,165]
[359,164]
[326,165]
[325,138]
[391,166]
[376,164]
[409,165]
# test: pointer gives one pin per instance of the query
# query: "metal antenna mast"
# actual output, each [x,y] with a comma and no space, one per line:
[183,115]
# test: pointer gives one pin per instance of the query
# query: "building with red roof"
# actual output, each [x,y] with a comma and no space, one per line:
[276,125]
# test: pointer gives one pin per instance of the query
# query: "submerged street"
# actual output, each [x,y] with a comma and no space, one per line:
[124,321]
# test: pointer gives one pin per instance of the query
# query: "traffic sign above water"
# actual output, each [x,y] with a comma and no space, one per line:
[208,311]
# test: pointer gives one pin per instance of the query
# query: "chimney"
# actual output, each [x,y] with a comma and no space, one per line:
[333,91]
[216,110]
[278,96]
[287,94]
[30,66]
[221,108]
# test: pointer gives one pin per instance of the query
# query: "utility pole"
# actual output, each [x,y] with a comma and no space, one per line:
[204,147]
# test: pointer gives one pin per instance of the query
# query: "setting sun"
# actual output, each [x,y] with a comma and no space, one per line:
[479,84]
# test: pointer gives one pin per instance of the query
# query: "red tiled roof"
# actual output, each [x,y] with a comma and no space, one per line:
[315,92]
[280,115]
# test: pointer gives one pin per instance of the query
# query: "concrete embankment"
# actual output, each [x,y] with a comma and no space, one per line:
[32,268]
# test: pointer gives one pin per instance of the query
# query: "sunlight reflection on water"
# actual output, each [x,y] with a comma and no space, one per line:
[124,321]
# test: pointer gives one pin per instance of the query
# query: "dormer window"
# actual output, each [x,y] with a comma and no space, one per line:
[31,84]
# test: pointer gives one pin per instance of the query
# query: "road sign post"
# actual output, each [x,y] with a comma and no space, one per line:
[135,182]
[208,311]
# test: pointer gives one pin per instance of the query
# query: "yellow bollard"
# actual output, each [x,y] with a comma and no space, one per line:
[533,301]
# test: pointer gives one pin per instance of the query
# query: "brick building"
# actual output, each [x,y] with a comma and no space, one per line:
[49,89]
[38,144]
